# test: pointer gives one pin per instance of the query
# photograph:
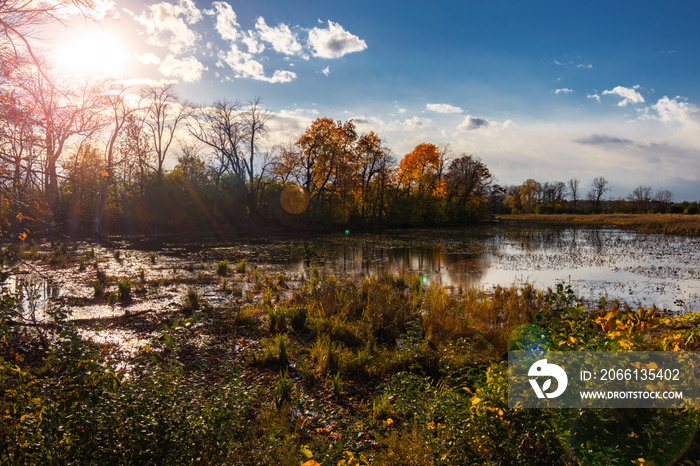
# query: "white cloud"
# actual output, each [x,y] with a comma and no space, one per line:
[443,108]
[334,42]
[192,13]
[564,90]
[189,69]
[402,110]
[571,64]
[101,10]
[281,38]
[148,59]
[593,96]
[326,70]
[281,76]
[629,95]
[245,66]
[305,112]
[167,25]
[226,21]
[253,44]
[472,123]
[416,123]
[676,110]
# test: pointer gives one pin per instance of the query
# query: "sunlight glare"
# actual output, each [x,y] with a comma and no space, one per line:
[94,52]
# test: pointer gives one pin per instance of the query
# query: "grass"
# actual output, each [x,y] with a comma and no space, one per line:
[222,268]
[124,287]
[654,223]
[374,370]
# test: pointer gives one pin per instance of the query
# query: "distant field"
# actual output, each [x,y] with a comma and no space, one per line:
[660,223]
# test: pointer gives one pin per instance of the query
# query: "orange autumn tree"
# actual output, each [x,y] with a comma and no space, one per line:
[324,165]
[421,170]
[419,198]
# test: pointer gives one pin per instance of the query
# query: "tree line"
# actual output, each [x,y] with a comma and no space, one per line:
[92,158]
[570,197]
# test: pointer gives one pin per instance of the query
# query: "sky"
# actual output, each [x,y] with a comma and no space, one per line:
[536,89]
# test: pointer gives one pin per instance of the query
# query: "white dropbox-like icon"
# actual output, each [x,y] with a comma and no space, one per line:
[542,369]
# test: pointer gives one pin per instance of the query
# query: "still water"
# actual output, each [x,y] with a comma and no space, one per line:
[637,268]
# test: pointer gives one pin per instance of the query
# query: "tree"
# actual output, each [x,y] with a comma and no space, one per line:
[641,197]
[221,128]
[255,121]
[552,192]
[513,199]
[372,162]
[59,110]
[600,187]
[21,19]
[467,177]
[326,147]
[529,195]
[119,112]
[664,197]
[421,169]
[136,151]
[163,115]
[573,185]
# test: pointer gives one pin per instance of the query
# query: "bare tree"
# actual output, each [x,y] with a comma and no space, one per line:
[664,197]
[119,112]
[255,120]
[221,128]
[163,116]
[233,132]
[552,192]
[59,113]
[573,185]
[641,196]
[600,187]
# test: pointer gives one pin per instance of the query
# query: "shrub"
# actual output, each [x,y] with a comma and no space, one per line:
[240,267]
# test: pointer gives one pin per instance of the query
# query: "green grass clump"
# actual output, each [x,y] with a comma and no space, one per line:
[275,352]
[192,301]
[124,288]
[222,268]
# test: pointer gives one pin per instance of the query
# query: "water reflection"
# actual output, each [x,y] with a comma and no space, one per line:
[637,268]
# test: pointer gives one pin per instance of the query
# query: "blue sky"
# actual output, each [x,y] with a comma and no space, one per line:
[537,89]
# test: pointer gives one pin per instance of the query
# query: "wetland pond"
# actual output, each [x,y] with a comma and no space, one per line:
[640,269]
[637,268]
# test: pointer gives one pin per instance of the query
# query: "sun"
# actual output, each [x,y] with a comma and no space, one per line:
[93,52]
